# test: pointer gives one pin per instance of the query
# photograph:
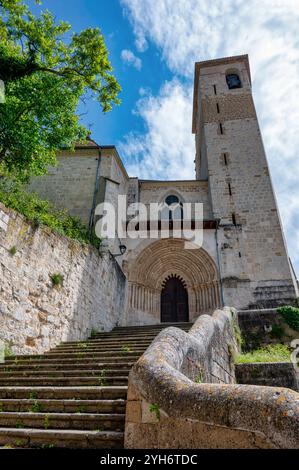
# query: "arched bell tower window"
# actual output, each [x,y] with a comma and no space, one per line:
[233,81]
[177,209]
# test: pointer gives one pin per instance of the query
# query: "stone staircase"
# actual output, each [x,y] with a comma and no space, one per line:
[73,396]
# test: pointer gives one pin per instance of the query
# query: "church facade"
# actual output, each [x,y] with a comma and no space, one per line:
[243,261]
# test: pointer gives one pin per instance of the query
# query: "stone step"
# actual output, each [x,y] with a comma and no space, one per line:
[82,361]
[91,352]
[101,345]
[64,393]
[129,331]
[108,341]
[74,395]
[53,366]
[158,326]
[63,381]
[72,439]
[63,406]
[123,336]
[65,373]
[115,339]
[98,352]
[100,422]
[75,356]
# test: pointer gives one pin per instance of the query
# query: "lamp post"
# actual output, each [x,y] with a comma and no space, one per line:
[122,250]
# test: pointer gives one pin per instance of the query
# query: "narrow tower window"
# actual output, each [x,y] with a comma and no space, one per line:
[234,218]
[230,189]
[225,159]
[177,209]
[215,89]
[218,109]
[220,128]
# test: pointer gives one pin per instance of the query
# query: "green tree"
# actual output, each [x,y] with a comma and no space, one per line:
[46,69]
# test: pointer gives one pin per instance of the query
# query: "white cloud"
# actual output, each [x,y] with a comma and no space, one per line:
[187,31]
[167,148]
[129,58]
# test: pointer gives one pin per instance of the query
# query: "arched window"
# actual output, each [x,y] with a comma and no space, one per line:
[233,81]
[176,211]
[172,200]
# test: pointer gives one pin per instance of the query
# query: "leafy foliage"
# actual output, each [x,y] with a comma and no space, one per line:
[13,250]
[57,279]
[8,351]
[41,212]
[154,408]
[290,316]
[270,353]
[46,70]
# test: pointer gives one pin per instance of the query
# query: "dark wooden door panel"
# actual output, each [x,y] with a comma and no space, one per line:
[174,302]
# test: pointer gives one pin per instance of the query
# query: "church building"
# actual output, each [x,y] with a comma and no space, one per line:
[243,261]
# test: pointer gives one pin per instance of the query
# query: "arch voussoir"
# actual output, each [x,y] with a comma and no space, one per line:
[168,257]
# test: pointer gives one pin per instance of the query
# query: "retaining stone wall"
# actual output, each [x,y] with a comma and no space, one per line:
[34,315]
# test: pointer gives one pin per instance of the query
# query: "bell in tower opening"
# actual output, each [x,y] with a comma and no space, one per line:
[233,81]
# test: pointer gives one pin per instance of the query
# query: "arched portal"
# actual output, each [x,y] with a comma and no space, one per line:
[147,271]
[174,301]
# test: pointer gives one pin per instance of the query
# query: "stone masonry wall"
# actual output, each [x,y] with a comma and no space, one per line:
[34,315]
[169,407]
[278,374]
[262,327]
[71,184]
[187,191]
[252,247]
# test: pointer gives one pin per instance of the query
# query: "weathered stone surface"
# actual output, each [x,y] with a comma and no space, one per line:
[262,327]
[35,315]
[254,416]
[247,249]
[252,249]
[277,374]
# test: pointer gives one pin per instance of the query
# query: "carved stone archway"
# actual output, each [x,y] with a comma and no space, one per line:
[168,257]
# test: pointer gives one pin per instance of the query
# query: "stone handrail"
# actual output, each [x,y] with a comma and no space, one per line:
[161,381]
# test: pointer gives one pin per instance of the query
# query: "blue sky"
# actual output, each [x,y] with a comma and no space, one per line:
[153,46]
[119,36]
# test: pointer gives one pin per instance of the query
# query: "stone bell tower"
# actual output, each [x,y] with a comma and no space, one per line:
[254,264]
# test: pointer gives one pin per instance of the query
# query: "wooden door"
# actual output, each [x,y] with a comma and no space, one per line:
[174,302]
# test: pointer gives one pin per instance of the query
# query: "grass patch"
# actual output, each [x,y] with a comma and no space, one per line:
[8,351]
[102,378]
[35,408]
[125,350]
[43,213]
[270,353]
[154,408]
[13,250]
[57,279]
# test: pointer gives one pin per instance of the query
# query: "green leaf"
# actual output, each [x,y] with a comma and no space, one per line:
[46,71]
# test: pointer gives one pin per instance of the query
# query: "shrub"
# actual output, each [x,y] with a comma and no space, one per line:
[42,213]
[290,316]
[277,332]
